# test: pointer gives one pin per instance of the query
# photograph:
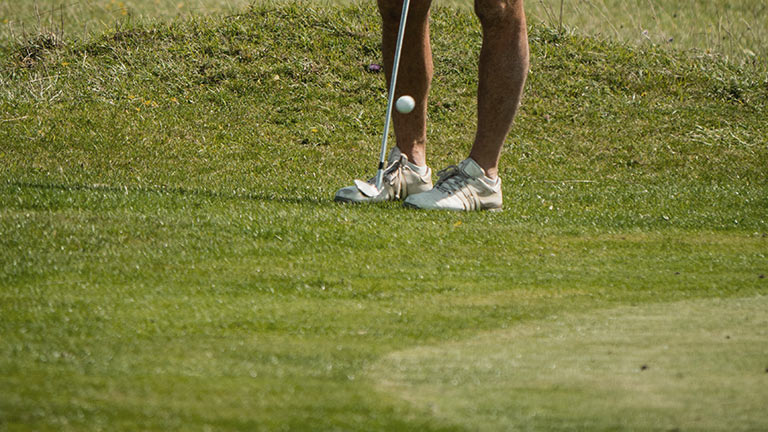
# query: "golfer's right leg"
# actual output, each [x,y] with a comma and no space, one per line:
[406,172]
[414,73]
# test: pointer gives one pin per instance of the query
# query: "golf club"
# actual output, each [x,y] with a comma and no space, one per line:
[391,98]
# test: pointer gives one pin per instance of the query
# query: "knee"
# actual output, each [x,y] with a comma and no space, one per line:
[390,10]
[499,12]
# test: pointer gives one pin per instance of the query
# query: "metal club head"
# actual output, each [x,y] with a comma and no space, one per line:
[367,189]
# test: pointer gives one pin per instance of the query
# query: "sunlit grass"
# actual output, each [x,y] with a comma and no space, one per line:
[688,365]
[735,28]
[171,258]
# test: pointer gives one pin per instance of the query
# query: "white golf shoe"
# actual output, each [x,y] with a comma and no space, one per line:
[460,188]
[401,179]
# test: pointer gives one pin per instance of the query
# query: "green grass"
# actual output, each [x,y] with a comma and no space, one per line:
[170,258]
[688,365]
[734,29]
[730,27]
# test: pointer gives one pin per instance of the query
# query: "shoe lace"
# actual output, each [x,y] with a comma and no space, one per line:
[390,173]
[451,179]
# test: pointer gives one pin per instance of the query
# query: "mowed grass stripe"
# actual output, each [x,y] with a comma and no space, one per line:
[689,365]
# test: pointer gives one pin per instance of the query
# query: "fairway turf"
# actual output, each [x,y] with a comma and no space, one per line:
[171,259]
[686,365]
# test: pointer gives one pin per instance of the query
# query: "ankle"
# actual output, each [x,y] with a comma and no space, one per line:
[416,155]
[491,173]
[418,169]
[490,167]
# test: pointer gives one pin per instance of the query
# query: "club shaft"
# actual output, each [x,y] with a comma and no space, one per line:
[391,97]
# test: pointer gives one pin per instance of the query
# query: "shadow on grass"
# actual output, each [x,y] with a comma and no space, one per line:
[181,191]
[209,194]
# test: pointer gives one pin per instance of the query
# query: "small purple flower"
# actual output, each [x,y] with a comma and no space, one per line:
[374,68]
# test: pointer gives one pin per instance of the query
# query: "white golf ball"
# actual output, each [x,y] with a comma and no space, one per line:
[405,104]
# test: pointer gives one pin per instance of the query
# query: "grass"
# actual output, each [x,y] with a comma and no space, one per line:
[597,371]
[734,29]
[729,28]
[170,258]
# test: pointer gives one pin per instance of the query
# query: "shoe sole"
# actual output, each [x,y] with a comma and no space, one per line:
[490,209]
[346,200]
[350,201]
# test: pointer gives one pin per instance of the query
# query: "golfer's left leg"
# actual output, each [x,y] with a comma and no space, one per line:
[474,183]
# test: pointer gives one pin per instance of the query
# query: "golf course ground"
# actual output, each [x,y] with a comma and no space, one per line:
[171,258]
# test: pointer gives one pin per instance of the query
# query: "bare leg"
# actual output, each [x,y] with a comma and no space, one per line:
[415,72]
[503,69]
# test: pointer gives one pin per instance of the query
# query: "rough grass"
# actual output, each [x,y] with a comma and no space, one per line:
[170,258]
[734,29]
